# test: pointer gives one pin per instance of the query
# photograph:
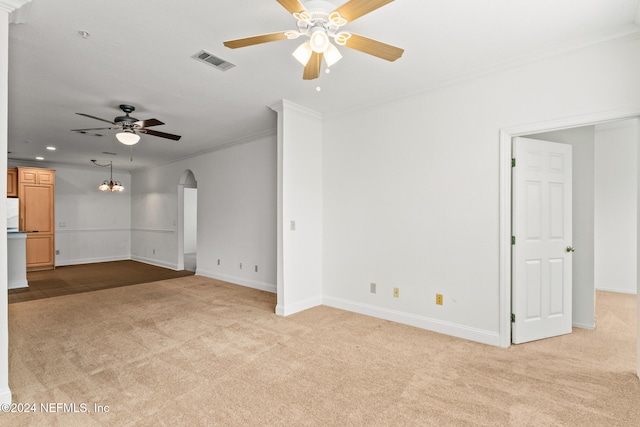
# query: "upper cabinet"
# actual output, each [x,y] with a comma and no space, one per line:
[36,176]
[12,182]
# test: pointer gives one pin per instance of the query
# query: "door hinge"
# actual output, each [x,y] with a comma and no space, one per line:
[513,318]
[513,162]
[513,240]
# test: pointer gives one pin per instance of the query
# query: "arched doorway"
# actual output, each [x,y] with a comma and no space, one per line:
[187,221]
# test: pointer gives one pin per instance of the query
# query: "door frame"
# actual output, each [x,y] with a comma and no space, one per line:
[506,136]
[182,184]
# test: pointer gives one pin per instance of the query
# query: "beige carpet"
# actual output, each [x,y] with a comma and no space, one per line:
[194,351]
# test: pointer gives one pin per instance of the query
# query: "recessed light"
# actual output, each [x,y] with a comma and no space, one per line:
[39,158]
[50,148]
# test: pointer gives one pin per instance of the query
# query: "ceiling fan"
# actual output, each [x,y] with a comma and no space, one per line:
[320,21]
[130,126]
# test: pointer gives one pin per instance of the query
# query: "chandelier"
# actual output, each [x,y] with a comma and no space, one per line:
[110,184]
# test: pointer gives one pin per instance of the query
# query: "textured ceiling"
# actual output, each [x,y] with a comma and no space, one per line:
[139,52]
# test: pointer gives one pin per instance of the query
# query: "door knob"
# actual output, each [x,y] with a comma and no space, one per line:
[570,249]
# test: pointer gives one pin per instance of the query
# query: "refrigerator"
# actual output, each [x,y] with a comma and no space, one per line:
[13,213]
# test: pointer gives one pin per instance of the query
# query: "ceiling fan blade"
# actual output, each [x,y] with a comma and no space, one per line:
[82,130]
[312,69]
[161,134]
[97,118]
[292,6]
[148,123]
[354,9]
[374,47]
[250,41]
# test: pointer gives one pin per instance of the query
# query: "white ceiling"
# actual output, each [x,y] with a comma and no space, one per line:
[139,52]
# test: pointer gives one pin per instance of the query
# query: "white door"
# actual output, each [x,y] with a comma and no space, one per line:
[542,240]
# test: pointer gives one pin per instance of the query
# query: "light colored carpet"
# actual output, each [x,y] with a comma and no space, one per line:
[194,351]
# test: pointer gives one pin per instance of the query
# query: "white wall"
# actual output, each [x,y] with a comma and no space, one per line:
[190,220]
[5,392]
[6,7]
[91,225]
[236,212]
[638,276]
[616,206]
[299,208]
[582,140]
[412,192]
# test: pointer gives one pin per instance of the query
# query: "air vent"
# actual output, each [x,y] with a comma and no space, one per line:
[108,153]
[214,61]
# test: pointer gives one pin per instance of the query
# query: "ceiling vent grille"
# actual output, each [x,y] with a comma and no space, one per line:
[214,61]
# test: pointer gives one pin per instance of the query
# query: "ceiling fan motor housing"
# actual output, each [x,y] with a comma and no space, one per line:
[126,120]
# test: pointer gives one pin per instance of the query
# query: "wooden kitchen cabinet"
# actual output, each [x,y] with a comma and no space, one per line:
[12,182]
[36,191]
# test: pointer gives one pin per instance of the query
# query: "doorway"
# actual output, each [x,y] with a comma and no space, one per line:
[187,225]
[506,137]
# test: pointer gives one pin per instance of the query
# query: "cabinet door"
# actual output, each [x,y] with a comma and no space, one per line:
[36,208]
[40,255]
[46,177]
[12,182]
[28,175]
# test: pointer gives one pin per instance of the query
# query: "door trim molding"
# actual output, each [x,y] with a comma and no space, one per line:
[506,135]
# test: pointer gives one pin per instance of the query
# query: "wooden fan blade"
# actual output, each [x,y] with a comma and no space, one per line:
[292,6]
[97,118]
[82,130]
[312,69]
[148,123]
[161,134]
[354,9]
[250,41]
[374,47]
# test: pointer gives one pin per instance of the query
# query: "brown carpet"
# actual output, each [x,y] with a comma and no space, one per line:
[194,351]
[73,279]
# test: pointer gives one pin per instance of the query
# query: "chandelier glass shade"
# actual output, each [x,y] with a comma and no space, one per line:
[111,186]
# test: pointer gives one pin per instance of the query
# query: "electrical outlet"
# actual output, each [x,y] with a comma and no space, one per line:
[240,266]
[372,288]
[396,292]
[154,251]
[218,262]
[439,299]
[256,268]
[57,251]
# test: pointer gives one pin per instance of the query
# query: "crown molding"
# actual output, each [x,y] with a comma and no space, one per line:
[279,107]
[11,5]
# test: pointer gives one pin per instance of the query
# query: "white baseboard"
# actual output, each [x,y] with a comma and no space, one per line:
[584,326]
[620,291]
[77,261]
[17,284]
[268,287]
[289,309]
[155,262]
[435,325]
[5,396]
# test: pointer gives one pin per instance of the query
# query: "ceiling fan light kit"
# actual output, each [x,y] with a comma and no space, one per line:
[130,126]
[319,21]
[128,137]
